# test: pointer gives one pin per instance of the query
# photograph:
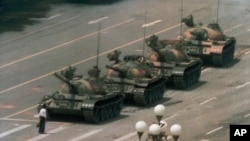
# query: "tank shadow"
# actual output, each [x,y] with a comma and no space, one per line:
[80,120]
[133,104]
[92,2]
[232,63]
[14,16]
[199,84]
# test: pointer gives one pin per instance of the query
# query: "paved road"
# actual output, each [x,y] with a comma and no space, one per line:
[65,37]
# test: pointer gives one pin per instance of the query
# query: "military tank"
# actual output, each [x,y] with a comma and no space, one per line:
[132,77]
[208,42]
[85,97]
[171,62]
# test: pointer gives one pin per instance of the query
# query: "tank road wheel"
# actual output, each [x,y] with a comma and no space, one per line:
[97,114]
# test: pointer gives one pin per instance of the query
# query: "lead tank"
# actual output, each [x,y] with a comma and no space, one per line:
[171,62]
[208,42]
[133,77]
[85,97]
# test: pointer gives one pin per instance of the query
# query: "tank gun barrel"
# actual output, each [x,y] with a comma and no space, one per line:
[63,79]
[120,71]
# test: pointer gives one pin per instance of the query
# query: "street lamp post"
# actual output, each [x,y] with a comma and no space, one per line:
[157,131]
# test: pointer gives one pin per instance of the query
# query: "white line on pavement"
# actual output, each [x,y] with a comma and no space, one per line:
[212,131]
[206,101]
[97,20]
[151,24]
[91,133]
[243,85]
[171,117]
[26,120]
[48,133]
[126,137]
[14,130]
[248,115]
[27,109]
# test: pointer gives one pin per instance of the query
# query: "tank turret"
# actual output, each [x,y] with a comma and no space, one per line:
[208,42]
[132,77]
[170,61]
[88,97]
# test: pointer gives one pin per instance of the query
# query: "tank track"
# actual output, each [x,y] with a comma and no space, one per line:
[190,77]
[227,55]
[149,95]
[103,110]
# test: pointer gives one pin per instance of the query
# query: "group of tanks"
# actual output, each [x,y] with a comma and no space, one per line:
[141,79]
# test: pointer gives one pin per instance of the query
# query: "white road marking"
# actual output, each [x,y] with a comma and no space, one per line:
[247,52]
[26,120]
[236,26]
[248,30]
[62,45]
[206,101]
[91,133]
[14,130]
[126,137]
[47,133]
[243,85]
[212,131]
[97,20]
[85,60]
[205,70]
[27,109]
[151,24]
[248,115]
[171,117]
[36,116]
[46,27]
[49,18]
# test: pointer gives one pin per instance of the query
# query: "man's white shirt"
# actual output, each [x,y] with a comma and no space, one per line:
[42,113]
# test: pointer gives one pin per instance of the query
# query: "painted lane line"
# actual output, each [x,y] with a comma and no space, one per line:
[48,133]
[91,133]
[248,115]
[49,18]
[236,26]
[243,85]
[151,24]
[85,60]
[25,120]
[62,45]
[97,20]
[247,52]
[46,27]
[14,130]
[126,137]
[212,131]
[171,117]
[205,70]
[206,101]
[27,109]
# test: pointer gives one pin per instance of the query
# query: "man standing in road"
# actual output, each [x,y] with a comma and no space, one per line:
[42,117]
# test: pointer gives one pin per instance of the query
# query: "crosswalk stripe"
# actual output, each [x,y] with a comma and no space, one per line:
[86,135]
[47,134]
[14,130]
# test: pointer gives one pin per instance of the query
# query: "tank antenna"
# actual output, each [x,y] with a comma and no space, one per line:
[98,21]
[98,44]
[181,22]
[144,32]
[218,4]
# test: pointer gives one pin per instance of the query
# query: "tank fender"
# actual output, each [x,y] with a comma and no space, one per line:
[88,105]
[217,49]
[178,71]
